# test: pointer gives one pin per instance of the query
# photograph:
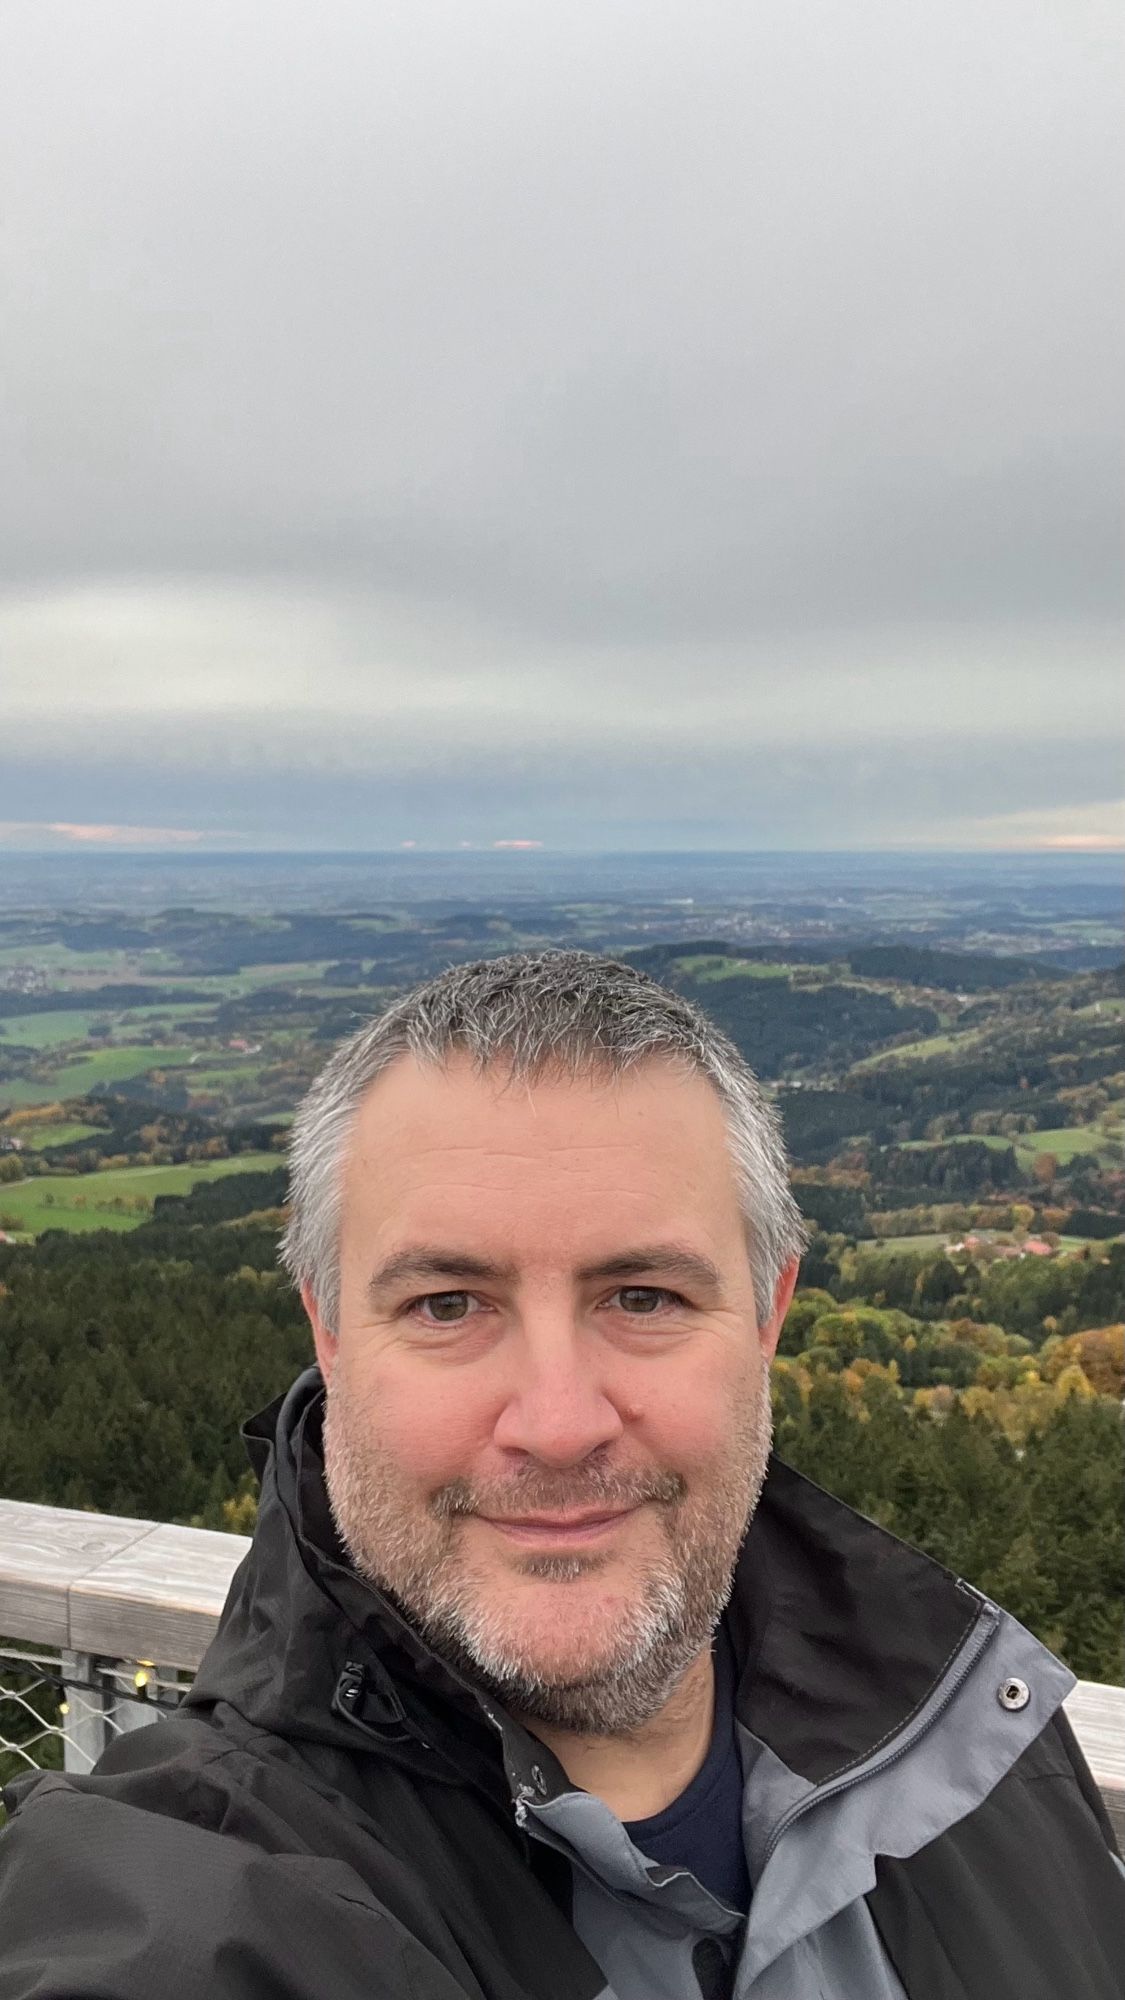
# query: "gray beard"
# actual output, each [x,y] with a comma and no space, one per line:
[680,1598]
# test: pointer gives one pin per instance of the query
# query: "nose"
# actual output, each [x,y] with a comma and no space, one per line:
[558,1411]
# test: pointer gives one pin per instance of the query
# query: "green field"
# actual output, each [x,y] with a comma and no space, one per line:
[930,1045]
[75,1079]
[1064,1141]
[19,1093]
[46,1031]
[60,1025]
[58,957]
[67,1133]
[114,1065]
[705,968]
[87,1201]
[899,1244]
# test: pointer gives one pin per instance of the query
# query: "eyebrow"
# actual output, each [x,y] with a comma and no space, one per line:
[667,1260]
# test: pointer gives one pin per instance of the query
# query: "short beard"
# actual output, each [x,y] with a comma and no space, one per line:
[680,1597]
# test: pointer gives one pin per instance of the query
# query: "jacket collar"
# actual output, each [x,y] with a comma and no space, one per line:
[841,1630]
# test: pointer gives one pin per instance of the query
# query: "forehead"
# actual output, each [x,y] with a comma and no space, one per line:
[654,1138]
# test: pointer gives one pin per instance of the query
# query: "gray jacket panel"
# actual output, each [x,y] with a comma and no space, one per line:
[811,1848]
[662,1960]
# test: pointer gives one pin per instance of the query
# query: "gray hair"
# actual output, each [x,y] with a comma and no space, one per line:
[535,1013]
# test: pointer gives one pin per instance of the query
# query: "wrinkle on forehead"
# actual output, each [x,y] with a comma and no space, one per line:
[575,1169]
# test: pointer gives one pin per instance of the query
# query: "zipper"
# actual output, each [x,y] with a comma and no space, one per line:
[523,1792]
[971,1651]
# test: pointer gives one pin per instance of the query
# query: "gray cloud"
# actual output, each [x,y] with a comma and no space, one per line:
[624,790]
[389,387]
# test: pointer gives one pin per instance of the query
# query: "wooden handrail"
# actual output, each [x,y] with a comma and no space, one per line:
[106,1584]
[128,1589]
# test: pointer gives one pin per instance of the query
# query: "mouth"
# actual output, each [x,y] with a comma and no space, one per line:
[561,1531]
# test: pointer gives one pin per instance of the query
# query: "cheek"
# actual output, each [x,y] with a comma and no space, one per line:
[689,1420]
[435,1427]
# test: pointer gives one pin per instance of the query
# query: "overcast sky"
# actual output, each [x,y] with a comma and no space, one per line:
[615,424]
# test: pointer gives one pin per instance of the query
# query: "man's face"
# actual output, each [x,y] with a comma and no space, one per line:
[548,1413]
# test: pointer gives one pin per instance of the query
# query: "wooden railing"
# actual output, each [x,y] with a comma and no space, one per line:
[109,1611]
[104,1584]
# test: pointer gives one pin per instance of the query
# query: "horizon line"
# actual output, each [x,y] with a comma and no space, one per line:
[1077,849]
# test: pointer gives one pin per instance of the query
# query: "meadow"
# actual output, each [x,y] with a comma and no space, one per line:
[119,1198]
[65,1132]
[706,967]
[93,1072]
[1064,1142]
[920,1051]
[58,1029]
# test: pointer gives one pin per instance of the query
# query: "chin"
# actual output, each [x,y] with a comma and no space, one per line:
[563,1640]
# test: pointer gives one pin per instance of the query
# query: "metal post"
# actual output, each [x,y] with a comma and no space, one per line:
[84,1725]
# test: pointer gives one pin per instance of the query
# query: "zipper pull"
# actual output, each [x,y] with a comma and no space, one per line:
[377,1708]
[349,1688]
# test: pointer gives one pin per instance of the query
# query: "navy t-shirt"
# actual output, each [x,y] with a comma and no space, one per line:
[702,1829]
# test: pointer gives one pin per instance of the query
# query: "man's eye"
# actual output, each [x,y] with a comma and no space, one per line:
[641,1300]
[443,1308]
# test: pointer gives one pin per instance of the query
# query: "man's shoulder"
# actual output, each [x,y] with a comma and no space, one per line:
[1025,1894]
[186,1770]
[173,1868]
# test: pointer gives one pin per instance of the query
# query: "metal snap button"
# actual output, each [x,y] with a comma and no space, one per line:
[538,1780]
[1013,1694]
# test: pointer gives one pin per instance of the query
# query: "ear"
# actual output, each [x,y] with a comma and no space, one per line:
[770,1333]
[324,1340]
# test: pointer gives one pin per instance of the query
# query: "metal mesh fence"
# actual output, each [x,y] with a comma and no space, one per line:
[59,1711]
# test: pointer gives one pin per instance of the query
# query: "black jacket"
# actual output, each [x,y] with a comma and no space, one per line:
[330,1813]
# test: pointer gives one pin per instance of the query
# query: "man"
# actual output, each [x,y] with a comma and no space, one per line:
[505,1701]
